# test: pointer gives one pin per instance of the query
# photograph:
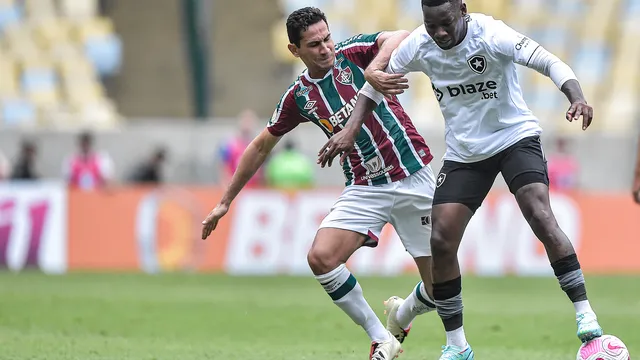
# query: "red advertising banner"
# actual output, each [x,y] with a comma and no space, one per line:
[270,232]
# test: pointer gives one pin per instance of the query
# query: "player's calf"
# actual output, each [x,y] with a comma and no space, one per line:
[534,202]
[329,252]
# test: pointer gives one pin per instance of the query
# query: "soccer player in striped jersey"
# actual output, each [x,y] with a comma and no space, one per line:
[387,176]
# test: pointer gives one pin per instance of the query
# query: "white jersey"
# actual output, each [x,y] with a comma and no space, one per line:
[476,85]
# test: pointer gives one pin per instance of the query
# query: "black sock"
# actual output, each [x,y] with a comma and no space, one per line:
[448,299]
[570,277]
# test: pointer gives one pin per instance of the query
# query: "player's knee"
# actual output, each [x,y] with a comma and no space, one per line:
[543,223]
[441,244]
[322,260]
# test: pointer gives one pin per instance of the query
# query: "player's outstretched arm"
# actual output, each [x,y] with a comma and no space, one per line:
[344,141]
[524,51]
[636,181]
[251,160]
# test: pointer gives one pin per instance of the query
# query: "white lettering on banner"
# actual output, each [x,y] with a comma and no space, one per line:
[33,226]
[498,240]
[258,236]
[308,210]
[271,233]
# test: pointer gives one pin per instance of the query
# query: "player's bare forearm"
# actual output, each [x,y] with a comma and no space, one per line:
[573,91]
[250,161]
[364,107]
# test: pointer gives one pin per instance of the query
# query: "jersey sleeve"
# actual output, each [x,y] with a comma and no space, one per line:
[286,115]
[404,58]
[361,49]
[511,44]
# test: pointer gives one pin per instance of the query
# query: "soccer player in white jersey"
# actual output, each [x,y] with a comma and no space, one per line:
[470,59]
[388,176]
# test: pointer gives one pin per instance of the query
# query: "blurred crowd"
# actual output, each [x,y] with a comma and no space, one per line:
[90,167]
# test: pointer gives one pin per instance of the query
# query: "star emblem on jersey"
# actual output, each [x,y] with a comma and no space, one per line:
[440,179]
[478,64]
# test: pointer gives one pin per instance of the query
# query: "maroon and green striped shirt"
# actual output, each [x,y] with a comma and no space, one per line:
[388,148]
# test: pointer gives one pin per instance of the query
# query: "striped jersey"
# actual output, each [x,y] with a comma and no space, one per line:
[387,149]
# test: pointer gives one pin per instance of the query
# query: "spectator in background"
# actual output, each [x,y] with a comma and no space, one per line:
[563,168]
[88,169]
[5,167]
[290,169]
[150,171]
[231,151]
[636,180]
[24,168]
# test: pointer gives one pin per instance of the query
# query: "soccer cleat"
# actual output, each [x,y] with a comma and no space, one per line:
[391,307]
[588,327]
[451,352]
[386,350]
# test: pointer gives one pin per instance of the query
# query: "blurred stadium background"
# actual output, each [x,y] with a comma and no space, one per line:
[163,94]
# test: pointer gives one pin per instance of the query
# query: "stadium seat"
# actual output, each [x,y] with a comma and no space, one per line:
[40,9]
[39,81]
[9,79]
[79,10]
[9,14]
[17,111]
[50,31]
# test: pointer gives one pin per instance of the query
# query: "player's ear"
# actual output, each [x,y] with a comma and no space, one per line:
[463,8]
[294,50]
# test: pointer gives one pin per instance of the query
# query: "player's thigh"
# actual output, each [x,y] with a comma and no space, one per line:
[524,163]
[361,209]
[466,184]
[411,213]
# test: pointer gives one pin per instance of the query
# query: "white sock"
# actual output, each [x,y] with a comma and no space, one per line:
[457,338]
[417,303]
[583,307]
[346,292]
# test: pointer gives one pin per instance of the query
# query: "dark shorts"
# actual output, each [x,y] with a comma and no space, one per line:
[521,164]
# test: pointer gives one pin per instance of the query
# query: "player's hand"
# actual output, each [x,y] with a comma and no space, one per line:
[579,108]
[211,222]
[387,84]
[342,142]
[636,196]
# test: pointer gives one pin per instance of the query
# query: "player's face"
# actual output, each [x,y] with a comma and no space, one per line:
[446,23]
[317,49]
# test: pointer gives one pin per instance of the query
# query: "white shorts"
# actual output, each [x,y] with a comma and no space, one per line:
[406,204]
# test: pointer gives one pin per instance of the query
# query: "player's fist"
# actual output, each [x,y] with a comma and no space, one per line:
[387,84]
[211,222]
[580,108]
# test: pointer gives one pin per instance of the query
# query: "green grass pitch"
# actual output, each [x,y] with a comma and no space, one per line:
[188,317]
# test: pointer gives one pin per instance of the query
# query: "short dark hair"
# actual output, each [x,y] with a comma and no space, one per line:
[431,3]
[300,20]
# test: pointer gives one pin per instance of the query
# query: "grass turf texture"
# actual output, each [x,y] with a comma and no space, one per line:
[178,316]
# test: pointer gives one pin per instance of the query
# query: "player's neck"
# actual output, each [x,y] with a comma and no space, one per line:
[317,73]
[463,33]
